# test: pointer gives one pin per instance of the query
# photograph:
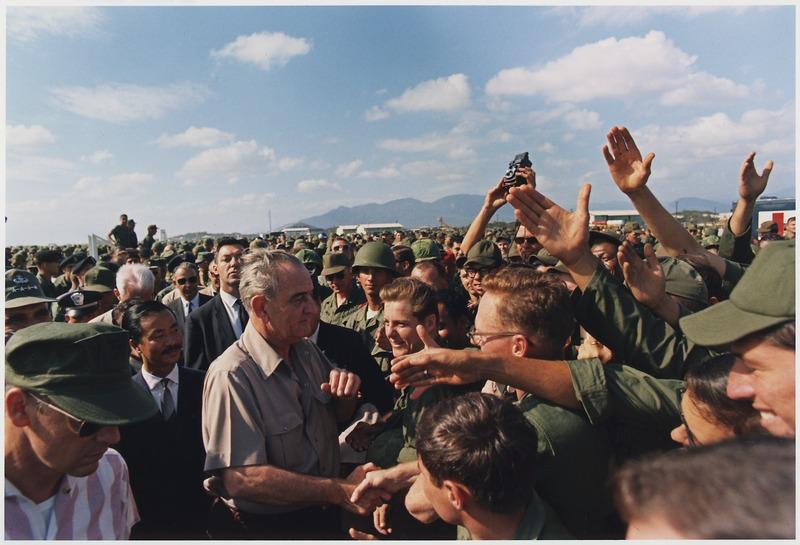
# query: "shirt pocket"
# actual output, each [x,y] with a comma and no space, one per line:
[284,438]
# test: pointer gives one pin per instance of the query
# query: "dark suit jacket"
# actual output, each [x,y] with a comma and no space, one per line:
[345,349]
[177,308]
[165,462]
[208,334]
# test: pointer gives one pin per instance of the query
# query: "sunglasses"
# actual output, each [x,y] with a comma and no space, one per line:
[187,280]
[522,240]
[337,276]
[339,248]
[474,272]
[84,428]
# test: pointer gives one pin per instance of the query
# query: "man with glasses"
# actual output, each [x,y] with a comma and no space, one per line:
[340,245]
[218,324]
[482,259]
[527,245]
[185,279]
[68,388]
[346,296]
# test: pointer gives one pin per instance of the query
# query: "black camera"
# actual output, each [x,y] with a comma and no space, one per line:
[511,179]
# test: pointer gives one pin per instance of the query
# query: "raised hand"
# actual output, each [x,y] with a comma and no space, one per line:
[751,183]
[495,197]
[562,233]
[625,163]
[342,383]
[644,277]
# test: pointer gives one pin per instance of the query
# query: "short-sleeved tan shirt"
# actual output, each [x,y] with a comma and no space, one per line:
[259,409]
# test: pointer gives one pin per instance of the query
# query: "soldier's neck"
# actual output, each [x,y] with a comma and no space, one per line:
[374,303]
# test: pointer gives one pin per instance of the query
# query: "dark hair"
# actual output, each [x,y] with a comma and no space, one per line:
[132,319]
[403,253]
[454,302]
[743,488]
[484,443]
[707,383]
[228,241]
[121,308]
[782,335]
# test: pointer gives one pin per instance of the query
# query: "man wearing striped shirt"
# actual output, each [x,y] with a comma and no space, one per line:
[68,388]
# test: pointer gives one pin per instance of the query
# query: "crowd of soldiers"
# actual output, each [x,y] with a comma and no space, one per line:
[554,380]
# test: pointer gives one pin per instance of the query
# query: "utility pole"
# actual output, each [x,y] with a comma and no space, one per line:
[269,212]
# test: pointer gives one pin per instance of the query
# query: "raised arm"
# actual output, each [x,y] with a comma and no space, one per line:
[751,185]
[494,201]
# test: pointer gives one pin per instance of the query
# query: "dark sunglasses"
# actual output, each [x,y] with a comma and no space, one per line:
[85,429]
[337,276]
[522,240]
[190,280]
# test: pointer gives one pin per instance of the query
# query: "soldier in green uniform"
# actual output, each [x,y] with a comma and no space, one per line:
[345,295]
[426,249]
[149,239]
[47,268]
[26,303]
[374,269]
[313,264]
[63,282]
[121,235]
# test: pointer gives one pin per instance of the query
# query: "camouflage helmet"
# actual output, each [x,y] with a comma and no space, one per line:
[375,254]
[307,256]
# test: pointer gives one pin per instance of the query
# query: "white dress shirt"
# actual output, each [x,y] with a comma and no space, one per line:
[157,388]
[228,301]
[195,304]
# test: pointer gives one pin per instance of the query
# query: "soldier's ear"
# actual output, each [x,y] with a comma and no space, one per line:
[459,495]
[15,407]
[135,349]
[258,306]
[519,346]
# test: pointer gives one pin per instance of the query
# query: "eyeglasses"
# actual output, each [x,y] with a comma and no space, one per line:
[479,339]
[690,436]
[474,272]
[337,276]
[189,280]
[525,240]
[341,248]
[85,429]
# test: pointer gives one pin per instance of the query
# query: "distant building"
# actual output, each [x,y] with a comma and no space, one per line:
[367,228]
[300,229]
[614,217]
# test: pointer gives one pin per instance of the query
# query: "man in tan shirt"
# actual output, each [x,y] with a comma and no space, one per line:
[271,403]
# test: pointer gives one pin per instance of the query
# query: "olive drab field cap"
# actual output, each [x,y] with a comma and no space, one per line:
[22,289]
[596,237]
[375,254]
[425,249]
[683,280]
[544,257]
[258,243]
[81,368]
[484,253]
[100,279]
[334,262]
[308,256]
[763,298]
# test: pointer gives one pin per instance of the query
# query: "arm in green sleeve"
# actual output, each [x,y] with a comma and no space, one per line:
[736,247]
[636,336]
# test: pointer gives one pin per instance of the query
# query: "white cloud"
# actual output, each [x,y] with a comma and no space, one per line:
[26,137]
[22,168]
[499,135]
[310,186]
[194,137]
[582,120]
[264,49]
[229,163]
[385,172]
[286,164]
[442,94]
[97,157]
[547,147]
[457,144]
[122,103]
[376,113]
[428,142]
[618,68]
[346,170]
[718,135]
[28,23]
[132,182]
[249,201]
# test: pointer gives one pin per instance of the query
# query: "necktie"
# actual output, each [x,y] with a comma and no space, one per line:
[167,403]
[243,316]
[189,310]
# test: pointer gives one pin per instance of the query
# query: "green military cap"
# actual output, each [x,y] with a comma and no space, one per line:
[85,263]
[80,368]
[682,280]
[168,254]
[710,241]
[484,253]
[334,262]
[545,258]
[69,260]
[258,243]
[308,256]
[186,247]
[22,289]
[633,227]
[375,254]
[513,254]
[48,256]
[767,227]
[100,279]
[596,237]
[198,248]
[204,257]
[763,298]
[709,231]
[299,244]
[158,247]
[426,249]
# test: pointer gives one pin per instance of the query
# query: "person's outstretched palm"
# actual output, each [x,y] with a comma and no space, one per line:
[628,170]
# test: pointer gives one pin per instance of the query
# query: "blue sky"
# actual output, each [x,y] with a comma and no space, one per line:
[205,118]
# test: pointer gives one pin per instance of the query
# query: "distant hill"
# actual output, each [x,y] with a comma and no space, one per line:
[460,210]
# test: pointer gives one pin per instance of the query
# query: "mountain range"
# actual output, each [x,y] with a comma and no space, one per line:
[460,210]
